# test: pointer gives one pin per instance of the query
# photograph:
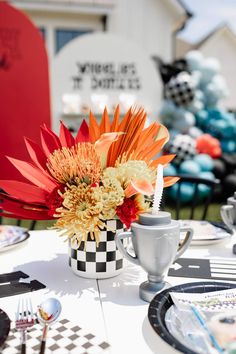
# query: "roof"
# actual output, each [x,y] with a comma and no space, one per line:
[222,28]
[77,6]
[188,12]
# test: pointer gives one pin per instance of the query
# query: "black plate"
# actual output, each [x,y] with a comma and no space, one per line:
[162,302]
[4,326]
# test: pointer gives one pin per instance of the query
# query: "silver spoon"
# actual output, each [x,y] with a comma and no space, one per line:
[48,312]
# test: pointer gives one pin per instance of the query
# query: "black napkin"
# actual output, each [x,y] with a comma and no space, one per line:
[10,284]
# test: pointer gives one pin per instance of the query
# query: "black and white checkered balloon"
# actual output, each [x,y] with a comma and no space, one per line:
[184,146]
[180,89]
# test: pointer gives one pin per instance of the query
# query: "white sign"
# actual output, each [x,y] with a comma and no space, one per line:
[98,70]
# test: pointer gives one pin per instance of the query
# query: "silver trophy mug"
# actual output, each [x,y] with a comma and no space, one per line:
[155,240]
[228,213]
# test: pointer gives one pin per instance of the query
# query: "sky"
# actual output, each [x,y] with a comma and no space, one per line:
[208,14]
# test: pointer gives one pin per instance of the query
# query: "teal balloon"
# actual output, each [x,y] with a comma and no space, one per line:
[221,125]
[172,191]
[228,146]
[230,130]
[207,175]
[201,118]
[170,170]
[203,190]
[204,161]
[190,167]
[186,192]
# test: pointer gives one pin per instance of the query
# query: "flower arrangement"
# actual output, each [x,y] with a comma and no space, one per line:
[102,173]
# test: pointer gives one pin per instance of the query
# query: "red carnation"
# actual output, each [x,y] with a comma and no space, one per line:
[54,200]
[127,212]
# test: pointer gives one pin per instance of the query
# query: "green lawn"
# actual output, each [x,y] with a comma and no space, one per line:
[212,215]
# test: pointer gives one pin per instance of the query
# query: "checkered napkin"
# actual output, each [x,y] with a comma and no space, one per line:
[64,337]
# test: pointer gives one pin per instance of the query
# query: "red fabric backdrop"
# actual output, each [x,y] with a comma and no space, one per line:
[24,86]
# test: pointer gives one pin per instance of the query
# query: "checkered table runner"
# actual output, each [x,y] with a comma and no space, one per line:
[64,337]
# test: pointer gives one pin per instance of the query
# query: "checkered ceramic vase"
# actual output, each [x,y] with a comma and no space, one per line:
[104,261]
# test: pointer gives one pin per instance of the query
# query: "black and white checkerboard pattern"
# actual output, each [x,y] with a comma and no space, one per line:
[64,337]
[184,146]
[98,261]
[180,89]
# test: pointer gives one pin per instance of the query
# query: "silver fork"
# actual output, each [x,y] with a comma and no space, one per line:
[24,320]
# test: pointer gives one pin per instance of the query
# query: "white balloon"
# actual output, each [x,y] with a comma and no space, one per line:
[213,63]
[194,59]
[209,69]
[196,106]
[195,132]
[196,77]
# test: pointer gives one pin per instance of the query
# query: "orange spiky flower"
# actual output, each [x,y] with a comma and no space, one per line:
[137,142]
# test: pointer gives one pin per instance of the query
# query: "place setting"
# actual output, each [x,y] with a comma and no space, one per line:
[41,329]
[12,236]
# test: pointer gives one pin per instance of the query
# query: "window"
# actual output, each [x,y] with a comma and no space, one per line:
[64,36]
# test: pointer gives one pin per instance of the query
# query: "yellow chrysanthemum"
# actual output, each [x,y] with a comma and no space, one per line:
[84,209]
[79,163]
[129,171]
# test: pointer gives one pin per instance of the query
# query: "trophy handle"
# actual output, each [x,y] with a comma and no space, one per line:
[226,214]
[118,238]
[186,242]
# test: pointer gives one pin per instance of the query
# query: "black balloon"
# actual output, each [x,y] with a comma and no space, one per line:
[219,168]
[169,70]
[229,185]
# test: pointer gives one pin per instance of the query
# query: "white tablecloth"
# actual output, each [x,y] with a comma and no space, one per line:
[109,308]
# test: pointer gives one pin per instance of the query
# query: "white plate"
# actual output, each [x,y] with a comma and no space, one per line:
[204,233]
[209,242]
[12,236]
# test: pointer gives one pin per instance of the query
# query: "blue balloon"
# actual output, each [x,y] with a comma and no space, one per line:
[180,112]
[194,59]
[196,106]
[230,130]
[201,118]
[170,170]
[204,161]
[209,69]
[203,190]
[185,120]
[186,192]
[190,167]
[195,132]
[228,146]
[199,95]
[172,191]
[168,108]
[207,175]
